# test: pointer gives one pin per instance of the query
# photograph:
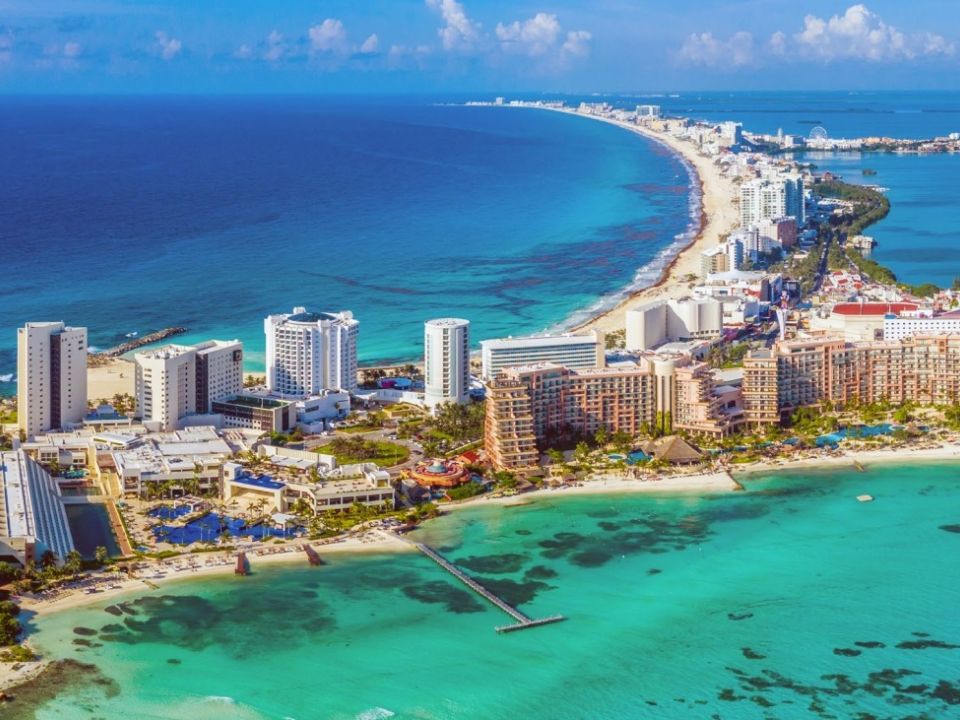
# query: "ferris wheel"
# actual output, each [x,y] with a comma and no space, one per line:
[819,133]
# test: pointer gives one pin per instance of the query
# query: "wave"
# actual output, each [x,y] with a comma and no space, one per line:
[650,273]
[8,378]
[225,699]
[377,713]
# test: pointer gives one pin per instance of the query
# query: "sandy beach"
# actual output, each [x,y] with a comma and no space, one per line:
[111,376]
[849,458]
[719,217]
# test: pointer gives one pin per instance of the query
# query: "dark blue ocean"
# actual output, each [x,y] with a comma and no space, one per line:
[133,214]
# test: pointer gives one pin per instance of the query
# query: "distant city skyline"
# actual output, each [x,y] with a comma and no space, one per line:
[473,46]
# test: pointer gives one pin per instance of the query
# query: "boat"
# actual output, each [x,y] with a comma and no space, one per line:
[132,334]
[865,498]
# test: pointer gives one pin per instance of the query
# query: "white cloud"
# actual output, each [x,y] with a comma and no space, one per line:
[71,49]
[459,32]
[533,37]
[168,47]
[860,33]
[371,45]
[578,43]
[328,37]
[778,43]
[6,46]
[244,52]
[275,46]
[705,49]
[542,37]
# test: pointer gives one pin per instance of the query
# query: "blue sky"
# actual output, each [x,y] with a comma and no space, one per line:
[475,45]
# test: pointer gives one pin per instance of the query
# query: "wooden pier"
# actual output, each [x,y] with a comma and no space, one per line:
[312,555]
[522,621]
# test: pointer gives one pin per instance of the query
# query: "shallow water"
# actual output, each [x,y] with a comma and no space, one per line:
[791,600]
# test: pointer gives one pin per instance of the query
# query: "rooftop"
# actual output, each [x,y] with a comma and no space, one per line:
[869,309]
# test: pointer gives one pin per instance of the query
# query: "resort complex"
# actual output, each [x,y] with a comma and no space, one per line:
[770,337]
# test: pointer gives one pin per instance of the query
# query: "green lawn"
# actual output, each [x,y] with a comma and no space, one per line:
[388,454]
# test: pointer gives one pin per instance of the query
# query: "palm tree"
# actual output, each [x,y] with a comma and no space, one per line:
[101,555]
[73,563]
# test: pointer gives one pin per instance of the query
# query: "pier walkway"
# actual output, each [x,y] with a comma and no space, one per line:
[522,621]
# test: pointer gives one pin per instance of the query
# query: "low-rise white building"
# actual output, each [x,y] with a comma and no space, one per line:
[195,453]
[32,517]
[914,325]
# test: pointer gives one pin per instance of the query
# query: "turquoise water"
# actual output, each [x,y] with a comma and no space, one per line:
[791,600]
[133,214]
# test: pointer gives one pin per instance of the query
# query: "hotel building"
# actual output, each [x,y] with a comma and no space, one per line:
[446,355]
[51,376]
[175,381]
[308,352]
[572,350]
[904,326]
[655,323]
[798,373]
[32,516]
[530,408]
[770,198]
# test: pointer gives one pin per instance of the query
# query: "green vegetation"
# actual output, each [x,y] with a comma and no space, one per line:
[350,450]
[616,340]
[461,423]
[727,355]
[467,490]
[9,624]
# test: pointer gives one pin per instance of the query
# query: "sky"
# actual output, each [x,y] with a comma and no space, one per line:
[396,46]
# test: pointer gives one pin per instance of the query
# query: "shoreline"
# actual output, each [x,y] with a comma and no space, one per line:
[714,217]
[382,542]
[717,217]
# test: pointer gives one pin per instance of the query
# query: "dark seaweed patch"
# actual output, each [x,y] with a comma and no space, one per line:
[60,676]
[846,652]
[194,622]
[609,526]
[113,610]
[455,599]
[751,654]
[88,632]
[591,558]
[869,644]
[524,532]
[493,564]
[896,687]
[540,572]
[739,616]
[654,571]
[951,528]
[926,644]
[514,593]
[173,661]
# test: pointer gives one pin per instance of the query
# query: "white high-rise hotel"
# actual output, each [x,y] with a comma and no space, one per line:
[308,352]
[51,376]
[446,349]
[769,198]
[174,381]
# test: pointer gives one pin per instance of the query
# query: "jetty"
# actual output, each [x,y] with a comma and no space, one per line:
[153,337]
[242,567]
[522,621]
[312,555]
